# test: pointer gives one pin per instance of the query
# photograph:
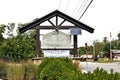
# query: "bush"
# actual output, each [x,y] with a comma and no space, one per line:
[58,69]
[101,74]
[64,69]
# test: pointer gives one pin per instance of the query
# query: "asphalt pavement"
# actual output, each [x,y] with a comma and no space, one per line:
[91,66]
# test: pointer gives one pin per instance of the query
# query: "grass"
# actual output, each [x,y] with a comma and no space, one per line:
[18,71]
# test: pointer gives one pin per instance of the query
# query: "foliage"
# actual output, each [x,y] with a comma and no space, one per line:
[81,50]
[90,50]
[103,60]
[99,48]
[2,30]
[19,47]
[101,74]
[58,69]
[10,29]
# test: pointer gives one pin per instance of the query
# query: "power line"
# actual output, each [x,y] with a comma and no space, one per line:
[83,6]
[59,4]
[67,5]
[79,9]
[76,7]
[86,9]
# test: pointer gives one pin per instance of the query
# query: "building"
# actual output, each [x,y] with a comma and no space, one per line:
[115,54]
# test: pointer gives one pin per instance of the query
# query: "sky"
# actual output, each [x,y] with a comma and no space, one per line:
[102,15]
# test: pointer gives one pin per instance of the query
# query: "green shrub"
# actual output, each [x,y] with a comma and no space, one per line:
[64,69]
[100,74]
[58,69]
[103,60]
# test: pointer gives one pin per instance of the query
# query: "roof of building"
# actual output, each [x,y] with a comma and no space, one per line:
[116,51]
[77,24]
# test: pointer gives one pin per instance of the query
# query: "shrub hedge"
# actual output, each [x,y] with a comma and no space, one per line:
[64,69]
[58,69]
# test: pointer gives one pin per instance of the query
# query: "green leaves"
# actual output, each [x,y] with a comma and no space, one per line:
[20,47]
[58,69]
[64,69]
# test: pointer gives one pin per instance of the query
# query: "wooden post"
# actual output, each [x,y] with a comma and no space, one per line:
[111,58]
[75,45]
[38,47]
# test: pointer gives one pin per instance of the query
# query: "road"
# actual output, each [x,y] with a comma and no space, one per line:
[91,66]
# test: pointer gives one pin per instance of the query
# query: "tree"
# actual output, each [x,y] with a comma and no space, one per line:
[2,30]
[81,50]
[118,35]
[10,29]
[90,50]
[118,40]
[19,47]
[105,40]
[99,46]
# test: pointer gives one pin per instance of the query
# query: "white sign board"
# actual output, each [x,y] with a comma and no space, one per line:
[56,40]
[56,53]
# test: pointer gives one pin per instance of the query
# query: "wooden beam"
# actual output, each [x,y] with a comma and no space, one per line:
[75,45]
[51,22]
[76,22]
[56,20]
[54,27]
[62,22]
[38,48]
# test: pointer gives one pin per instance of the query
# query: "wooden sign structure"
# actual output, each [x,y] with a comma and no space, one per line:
[36,25]
[56,40]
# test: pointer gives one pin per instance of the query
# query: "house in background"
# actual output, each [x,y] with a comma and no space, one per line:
[115,55]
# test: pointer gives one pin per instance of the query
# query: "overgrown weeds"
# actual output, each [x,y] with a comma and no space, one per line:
[18,71]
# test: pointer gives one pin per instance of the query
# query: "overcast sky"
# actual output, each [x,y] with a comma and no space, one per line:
[102,15]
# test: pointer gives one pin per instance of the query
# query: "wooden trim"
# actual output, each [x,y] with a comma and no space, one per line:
[54,27]
[57,49]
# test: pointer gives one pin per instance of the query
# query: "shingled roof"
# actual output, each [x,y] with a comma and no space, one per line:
[77,23]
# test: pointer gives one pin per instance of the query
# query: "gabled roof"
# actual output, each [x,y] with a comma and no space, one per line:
[60,14]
